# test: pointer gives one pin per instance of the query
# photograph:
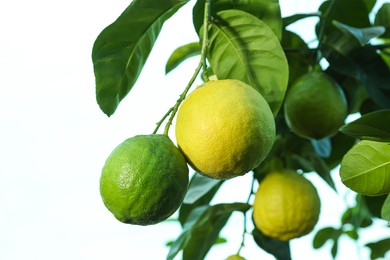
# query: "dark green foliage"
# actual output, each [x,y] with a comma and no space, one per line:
[122,48]
[250,41]
[279,249]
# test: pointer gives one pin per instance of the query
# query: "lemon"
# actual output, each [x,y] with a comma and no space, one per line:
[144,180]
[235,257]
[315,106]
[225,128]
[286,205]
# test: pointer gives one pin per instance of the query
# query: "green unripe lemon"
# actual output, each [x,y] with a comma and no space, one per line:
[144,180]
[315,106]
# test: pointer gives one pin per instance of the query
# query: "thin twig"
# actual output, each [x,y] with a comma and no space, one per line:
[245,231]
[202,65]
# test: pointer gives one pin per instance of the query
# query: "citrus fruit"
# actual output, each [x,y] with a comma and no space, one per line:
[235,257]
[315,106]
[225,128]
[286,205]
[144,180]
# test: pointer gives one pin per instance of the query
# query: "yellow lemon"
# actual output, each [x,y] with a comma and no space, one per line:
[286,205]
[144,180]
[235,257]
[225,128]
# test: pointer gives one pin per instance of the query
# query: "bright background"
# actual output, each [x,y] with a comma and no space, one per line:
[54,139]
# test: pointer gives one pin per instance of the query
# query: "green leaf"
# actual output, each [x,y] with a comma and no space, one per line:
[369,4]
[335,248]
[366,168]
[299,57]
[279,249]
[374,204]
[200,232]
[266,10]
[341,42]
[385,212]
[358,216]
[220,240]
[363,35]
[352,234]
[268,165]
[122,48]
[296,17]
[181,54]
[382,18]
[201,191]
[325,234]
[380,248]
[355,93]
[340,145]
[365,65]
[374,126]
[198,187]
[312,162]
[340,10]
[243,47]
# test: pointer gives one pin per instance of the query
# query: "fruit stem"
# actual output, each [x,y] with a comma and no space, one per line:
[205,41]
[245,231]
[202,65]
[159,123]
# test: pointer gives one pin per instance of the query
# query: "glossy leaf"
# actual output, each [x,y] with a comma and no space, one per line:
[198,187]
[366,168]
[375,204]
[340,146]
[201,191]
[385,212]
[243,47]
[379,248]
[201,230]
[335,248]
[185,236]
[296,17]
[358,216]
[353,234]
[300,58]
[363,35]
[365,65]
[312,162]
[266,10]
[355,93]
[341,11]
[369,4]
[122,48]
[374,126]
[382,18]
[279,249]
[181,54]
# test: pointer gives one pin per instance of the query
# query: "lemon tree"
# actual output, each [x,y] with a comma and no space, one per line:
[270,105]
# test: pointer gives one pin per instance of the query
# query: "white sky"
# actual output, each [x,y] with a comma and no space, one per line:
[54,139]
